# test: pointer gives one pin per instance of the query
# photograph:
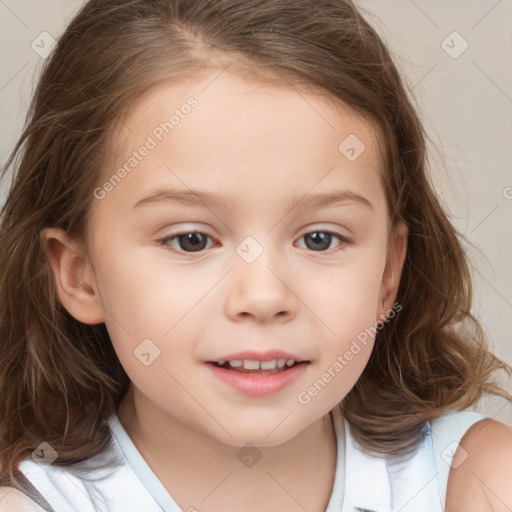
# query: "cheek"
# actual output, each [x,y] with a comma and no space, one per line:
[344,298]
[138,289]
[147,299]
[346,304]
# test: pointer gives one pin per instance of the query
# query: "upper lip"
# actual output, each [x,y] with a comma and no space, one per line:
[254,355]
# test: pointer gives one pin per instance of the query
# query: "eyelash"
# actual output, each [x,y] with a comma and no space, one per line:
[164,242]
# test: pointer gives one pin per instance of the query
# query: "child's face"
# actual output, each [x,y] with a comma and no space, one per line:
[253,281]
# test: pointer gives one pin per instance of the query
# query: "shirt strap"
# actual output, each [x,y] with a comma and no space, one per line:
[447,430]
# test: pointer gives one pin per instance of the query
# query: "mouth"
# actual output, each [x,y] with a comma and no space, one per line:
[256,374]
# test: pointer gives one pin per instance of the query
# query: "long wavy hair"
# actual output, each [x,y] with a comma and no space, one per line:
[60,379]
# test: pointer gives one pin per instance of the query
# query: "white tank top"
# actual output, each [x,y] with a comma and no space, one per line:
[362,483]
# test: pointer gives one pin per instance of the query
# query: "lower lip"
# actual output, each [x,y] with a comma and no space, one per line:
[261,384]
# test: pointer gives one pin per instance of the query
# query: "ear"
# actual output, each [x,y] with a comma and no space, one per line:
[75,282]
[397,249]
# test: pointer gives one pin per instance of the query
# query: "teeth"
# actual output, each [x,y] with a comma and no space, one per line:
[268,365]
[251,364]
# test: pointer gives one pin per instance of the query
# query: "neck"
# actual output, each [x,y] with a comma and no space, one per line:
[207,474]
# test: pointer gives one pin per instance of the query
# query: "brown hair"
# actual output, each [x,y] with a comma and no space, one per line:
[59,378]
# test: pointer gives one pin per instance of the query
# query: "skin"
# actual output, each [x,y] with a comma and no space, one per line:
[482,480]
[259,146]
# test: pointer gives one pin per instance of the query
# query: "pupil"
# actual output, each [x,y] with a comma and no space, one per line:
[190,239]
[319,237]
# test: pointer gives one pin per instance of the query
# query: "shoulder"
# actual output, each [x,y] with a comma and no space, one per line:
[12,500]
[481,481]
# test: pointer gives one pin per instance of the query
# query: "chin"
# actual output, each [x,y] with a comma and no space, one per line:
[271,434]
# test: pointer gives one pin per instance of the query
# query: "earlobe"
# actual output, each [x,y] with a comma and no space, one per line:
[73,276]
[397,251]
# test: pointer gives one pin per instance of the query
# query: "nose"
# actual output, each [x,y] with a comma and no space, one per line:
[260,291]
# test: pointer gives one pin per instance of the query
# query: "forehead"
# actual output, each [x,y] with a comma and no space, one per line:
[240,97]
[248,134]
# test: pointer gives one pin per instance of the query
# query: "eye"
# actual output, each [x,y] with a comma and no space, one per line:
[196,241]
[321,240]
[189,241]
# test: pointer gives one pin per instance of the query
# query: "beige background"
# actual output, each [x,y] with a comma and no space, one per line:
[464,97]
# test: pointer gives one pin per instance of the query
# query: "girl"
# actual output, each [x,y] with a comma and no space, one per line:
[254,371]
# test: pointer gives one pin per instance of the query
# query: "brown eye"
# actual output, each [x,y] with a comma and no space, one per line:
[320,241]
[188,242]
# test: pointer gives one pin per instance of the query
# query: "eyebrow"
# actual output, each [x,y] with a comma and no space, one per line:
[210,200]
